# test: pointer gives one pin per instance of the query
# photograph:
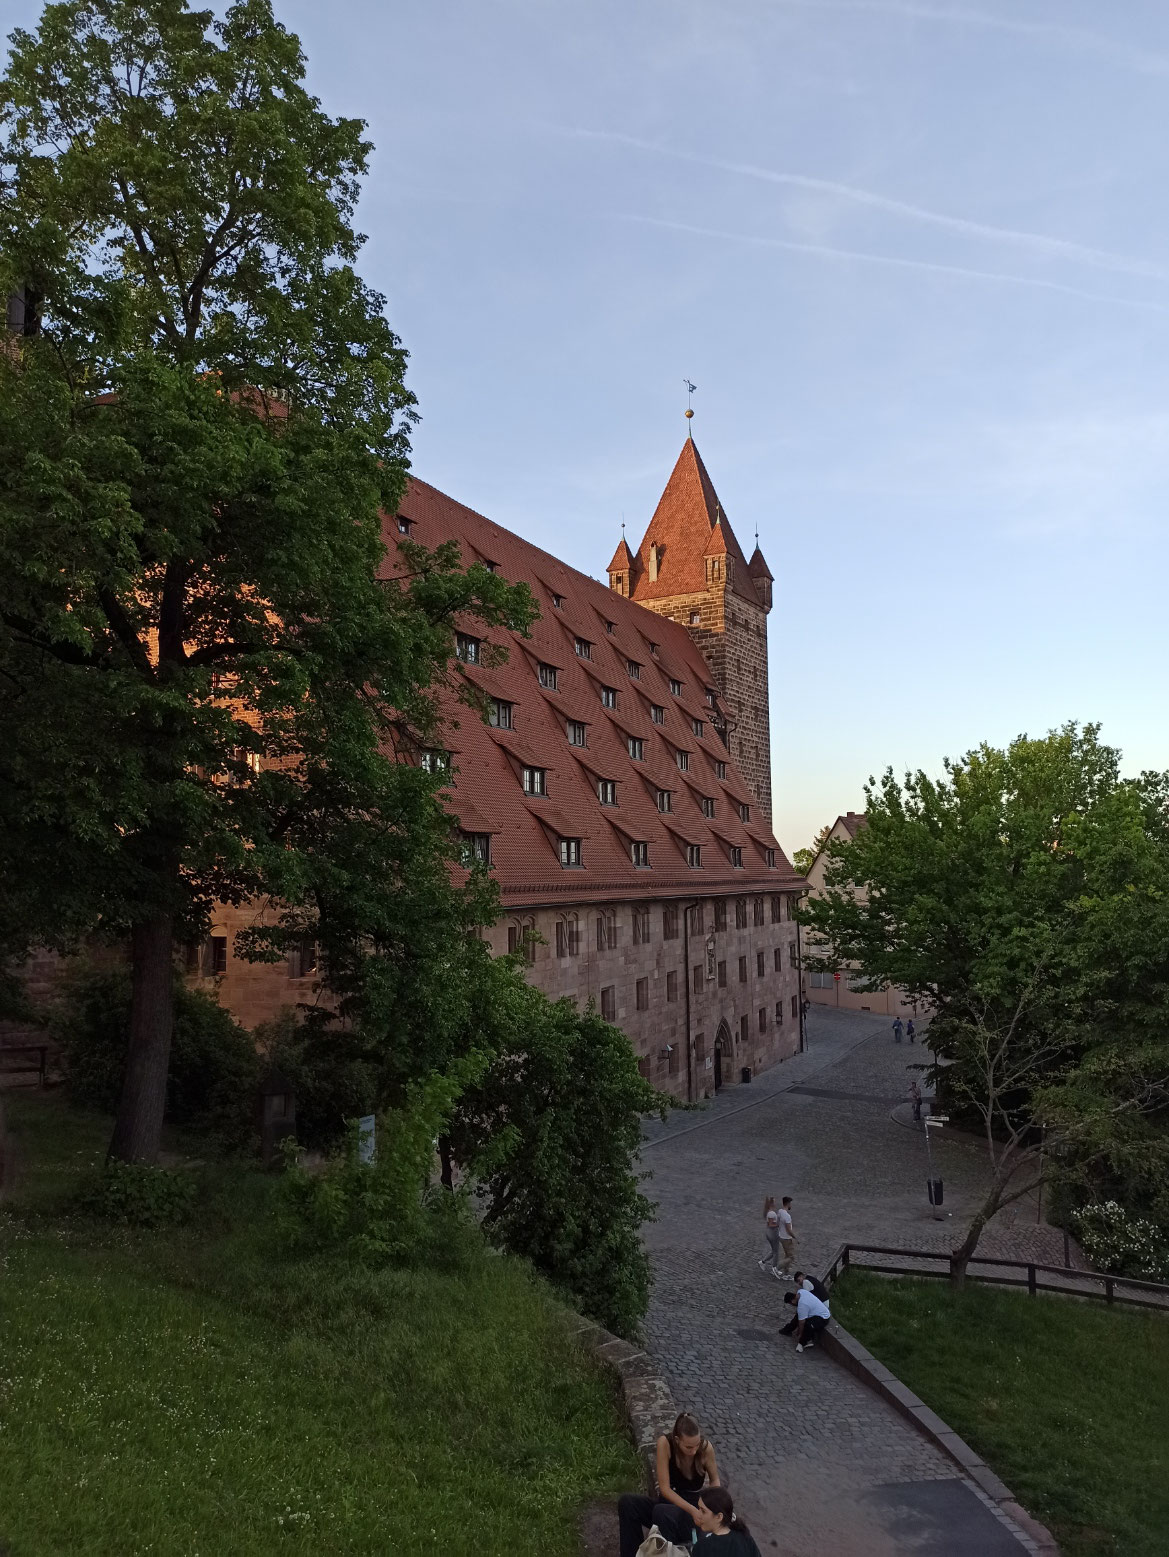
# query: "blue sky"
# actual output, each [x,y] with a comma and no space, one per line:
[914,257]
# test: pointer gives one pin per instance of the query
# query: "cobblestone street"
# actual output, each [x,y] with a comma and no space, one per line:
[818,1462]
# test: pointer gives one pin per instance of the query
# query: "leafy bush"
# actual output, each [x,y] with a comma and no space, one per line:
[138,1196]
[331,1075]
[214,1066]
[1127,1245]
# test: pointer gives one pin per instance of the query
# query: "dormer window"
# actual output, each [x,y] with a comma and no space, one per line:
[476,848]
[584,649]
[404,525]
[682,758]
[694,856]
[576,732]
[665,800]
[639,853]
[769,858]
[653,649]
[492,567]
[696,726]
[535,781]
[657,713]
[634,669]
[467,648]
[434,761]
[744,813]
[548,676]
[710,697]
[499,714]
[610,627]
[570,853]
[675,687]
[736,859]
[608,697]
[607,791]
[707,806]
[720,770]
[636,748]
[558,601]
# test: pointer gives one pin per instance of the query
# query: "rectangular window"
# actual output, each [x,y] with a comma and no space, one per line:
[584,649]
[642,994]
[567,937]
[710,696]
[762,1019]
[671,986]
[697,919]
[757,910]
[675,687]
[779,1013]
[653,649]
[778,959]
[403,526]
[795,1007]
[548,676]
[634,669]
[793,904]
[436,761]
[769,858]
[569,852]
[736,859]
[821,980]
[558,601]
[742,970]
[499,714]
[792,960]
[607,791]
[636,748]
[696,726]
[776,908]
[665,800]
[576,732]
[740,913]
[696,977]
[760,964]
[302,960]
[535,781]
[639,854]
[720,770]
[561,938]
[694,856]
[720,914]
[610,627]
[682,758]
[722,975]
[609,1003]
[477,846]
[744,1028]
[657,713]
[707,806]
[641,926]
[467,648]
[609,697]
[669,924]
[744,813]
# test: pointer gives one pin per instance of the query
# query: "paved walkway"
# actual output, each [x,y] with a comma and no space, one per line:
[818,1462]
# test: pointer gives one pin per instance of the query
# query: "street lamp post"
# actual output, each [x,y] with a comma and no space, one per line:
[933,1185]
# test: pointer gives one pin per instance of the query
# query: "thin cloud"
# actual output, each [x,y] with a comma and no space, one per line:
[1143,62]
[1040,243]
[894,261]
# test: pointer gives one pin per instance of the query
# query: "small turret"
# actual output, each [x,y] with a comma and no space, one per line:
[621,569]
[761,576]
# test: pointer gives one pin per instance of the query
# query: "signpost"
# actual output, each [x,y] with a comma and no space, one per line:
[934,1186]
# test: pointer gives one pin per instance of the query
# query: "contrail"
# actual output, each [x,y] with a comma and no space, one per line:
[1101,259]
[895,261]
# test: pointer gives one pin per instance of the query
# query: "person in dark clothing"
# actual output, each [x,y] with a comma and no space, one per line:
[685,1466]
[723,1533]
[812,1316]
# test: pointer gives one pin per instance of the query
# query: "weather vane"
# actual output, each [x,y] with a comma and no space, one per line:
[690,388]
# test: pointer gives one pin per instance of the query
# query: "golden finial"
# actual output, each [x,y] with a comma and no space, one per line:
[690,388]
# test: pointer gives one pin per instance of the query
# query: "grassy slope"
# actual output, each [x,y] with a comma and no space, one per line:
[202,1392]
[1068,1402]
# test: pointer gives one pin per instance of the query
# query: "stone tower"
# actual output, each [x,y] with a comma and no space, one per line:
[691,567]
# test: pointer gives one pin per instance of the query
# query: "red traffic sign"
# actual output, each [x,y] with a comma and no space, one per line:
[836,976]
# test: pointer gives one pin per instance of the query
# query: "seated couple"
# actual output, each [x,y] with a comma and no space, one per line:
[810,1302]
[688,1497]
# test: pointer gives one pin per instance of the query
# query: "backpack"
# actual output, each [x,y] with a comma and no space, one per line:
[656,1545]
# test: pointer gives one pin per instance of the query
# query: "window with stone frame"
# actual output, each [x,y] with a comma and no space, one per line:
[793,904]
[641,994]
[778,958]
[744,1028]
[606,931]
[757,910]
[762,1019]
[793,960]
[722,975]
[672,985]
[779,1013]
[215,955]
[670,923]
[521,937]
[760,964]
[720,913]
[698,978]
[740,913]
[776,908]
[742,970]
[795,1006]
[609,1003]
[697,918]
[568,936]
[641,926]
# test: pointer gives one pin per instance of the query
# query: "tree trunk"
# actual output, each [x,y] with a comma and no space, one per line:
[448,1171]
[138,1128]
[961,1256]
[3,1148]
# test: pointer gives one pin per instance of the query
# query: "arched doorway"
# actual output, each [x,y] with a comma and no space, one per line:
[722,1049]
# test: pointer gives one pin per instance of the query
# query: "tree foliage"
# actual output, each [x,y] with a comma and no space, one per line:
[1025,896]
[204,667]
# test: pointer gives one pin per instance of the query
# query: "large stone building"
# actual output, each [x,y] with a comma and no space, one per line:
[621,790]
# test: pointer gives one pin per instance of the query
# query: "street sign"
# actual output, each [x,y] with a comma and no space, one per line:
[836,976]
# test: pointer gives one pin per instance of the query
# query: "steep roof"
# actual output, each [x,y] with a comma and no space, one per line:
[488,762]
[687,512]
[622,557]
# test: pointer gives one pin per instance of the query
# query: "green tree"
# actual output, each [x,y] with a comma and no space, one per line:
[205,666]
[1026,898]
[803,859]
[553,1129]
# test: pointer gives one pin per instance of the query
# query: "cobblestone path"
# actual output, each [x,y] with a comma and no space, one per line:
[818,1462]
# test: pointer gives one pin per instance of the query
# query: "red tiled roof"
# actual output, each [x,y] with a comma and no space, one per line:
[488,760]
[687,512]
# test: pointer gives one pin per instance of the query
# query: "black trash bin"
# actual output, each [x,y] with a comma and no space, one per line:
[934,1191]
[745,1073]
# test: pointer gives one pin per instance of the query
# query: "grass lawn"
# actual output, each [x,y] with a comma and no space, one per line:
[1068,1401]
[203,1391]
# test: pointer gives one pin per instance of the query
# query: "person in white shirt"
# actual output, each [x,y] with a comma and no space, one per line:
[812,1316]
[787,1237]
[771,1228]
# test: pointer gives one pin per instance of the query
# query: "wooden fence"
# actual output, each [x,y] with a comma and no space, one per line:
[1035,1277]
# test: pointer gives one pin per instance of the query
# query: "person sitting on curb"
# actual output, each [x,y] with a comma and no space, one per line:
[812,1316]
[685,1466]
[805,1283]
[723,1533]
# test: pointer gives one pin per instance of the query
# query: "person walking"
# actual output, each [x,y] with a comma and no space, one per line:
[771,1228]
[915,1099]
[897,1029]
[812,1316]
[911,1031]
[787,1238]
[685,1465]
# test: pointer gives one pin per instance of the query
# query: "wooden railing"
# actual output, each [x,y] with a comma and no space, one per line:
[1074,1283]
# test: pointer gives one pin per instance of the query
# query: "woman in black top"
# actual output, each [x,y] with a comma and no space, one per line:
[685,1465]
[723,1533]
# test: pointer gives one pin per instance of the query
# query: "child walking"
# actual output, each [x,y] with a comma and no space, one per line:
[771,1226]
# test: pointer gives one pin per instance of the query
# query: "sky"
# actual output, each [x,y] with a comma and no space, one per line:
[912,253]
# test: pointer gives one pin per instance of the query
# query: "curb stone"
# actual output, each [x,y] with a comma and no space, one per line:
[646,1398]
[846,1350]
